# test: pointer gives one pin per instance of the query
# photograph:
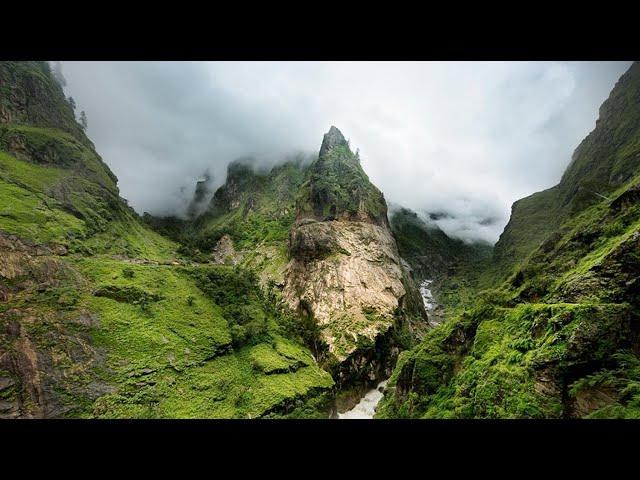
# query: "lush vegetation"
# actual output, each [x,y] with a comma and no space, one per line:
[557,339]
[204,345]
[338,188]
[253,206]
[104,314]
[555,331]
[120,320]
[606,159]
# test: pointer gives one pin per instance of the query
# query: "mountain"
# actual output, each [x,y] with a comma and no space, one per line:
[291,291]
[315,232]
[345,270]
[451,267]
[605,160]
[560,336]
[235,312]
[100,316]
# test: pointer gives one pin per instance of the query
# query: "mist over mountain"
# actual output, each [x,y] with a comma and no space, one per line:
[291,285]
[464,138]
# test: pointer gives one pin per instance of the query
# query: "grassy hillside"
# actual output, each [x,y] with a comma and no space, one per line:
[253,206]
[605,160]
[106,315]
[103,317]
[559,338]
[558,334]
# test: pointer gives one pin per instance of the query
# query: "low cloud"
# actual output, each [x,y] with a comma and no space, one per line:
[465,139]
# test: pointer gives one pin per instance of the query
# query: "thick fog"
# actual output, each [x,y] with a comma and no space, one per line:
[459,141]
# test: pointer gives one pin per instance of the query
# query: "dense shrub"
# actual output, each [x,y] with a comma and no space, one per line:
[236,290]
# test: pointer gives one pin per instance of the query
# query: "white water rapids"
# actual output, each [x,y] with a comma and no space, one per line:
[427,296]
[429,301]
[366,407]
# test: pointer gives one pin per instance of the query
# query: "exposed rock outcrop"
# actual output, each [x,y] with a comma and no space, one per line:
[201,196]
[348,276]
[345,270]
[331,139]
[224,252]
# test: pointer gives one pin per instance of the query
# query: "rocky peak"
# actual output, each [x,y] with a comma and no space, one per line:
[332,139]
[338,188]
[345,271]
[201,196]
[240,178]
[239,171]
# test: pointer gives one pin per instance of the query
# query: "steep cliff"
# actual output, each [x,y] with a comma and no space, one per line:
[345,271]
[561,336]
[102,317]
[316,233]
[604,160]
[293,292]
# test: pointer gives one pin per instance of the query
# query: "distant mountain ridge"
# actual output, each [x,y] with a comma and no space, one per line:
[551,329]
[604,160]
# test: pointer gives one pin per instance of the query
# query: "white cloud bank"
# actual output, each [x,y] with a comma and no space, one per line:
[465,139]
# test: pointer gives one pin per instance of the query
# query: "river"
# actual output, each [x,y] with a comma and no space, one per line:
[429,302]
[366,407]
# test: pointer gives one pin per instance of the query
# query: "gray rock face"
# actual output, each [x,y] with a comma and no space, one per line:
[313,240]
[332,138]
[348,274]
[240,178]
[201,197]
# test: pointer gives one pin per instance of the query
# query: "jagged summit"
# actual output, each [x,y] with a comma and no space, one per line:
[332,139]
[338,188]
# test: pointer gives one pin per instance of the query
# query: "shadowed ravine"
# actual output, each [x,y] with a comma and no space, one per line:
[366,407]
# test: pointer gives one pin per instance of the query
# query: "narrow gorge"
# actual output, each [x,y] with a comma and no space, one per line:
[293,290]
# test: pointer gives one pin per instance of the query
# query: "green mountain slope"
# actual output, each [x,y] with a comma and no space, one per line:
[605,160]
[453,267]
[560,336]
[103,317]
[293,293]
[293,224]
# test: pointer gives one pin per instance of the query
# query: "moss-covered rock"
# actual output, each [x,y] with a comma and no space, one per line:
[560,334]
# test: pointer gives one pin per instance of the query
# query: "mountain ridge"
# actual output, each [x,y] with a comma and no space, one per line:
[295,290]
[604,160]
[101,317]
[554,332]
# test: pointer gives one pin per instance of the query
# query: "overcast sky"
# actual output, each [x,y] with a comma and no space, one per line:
[464,139]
